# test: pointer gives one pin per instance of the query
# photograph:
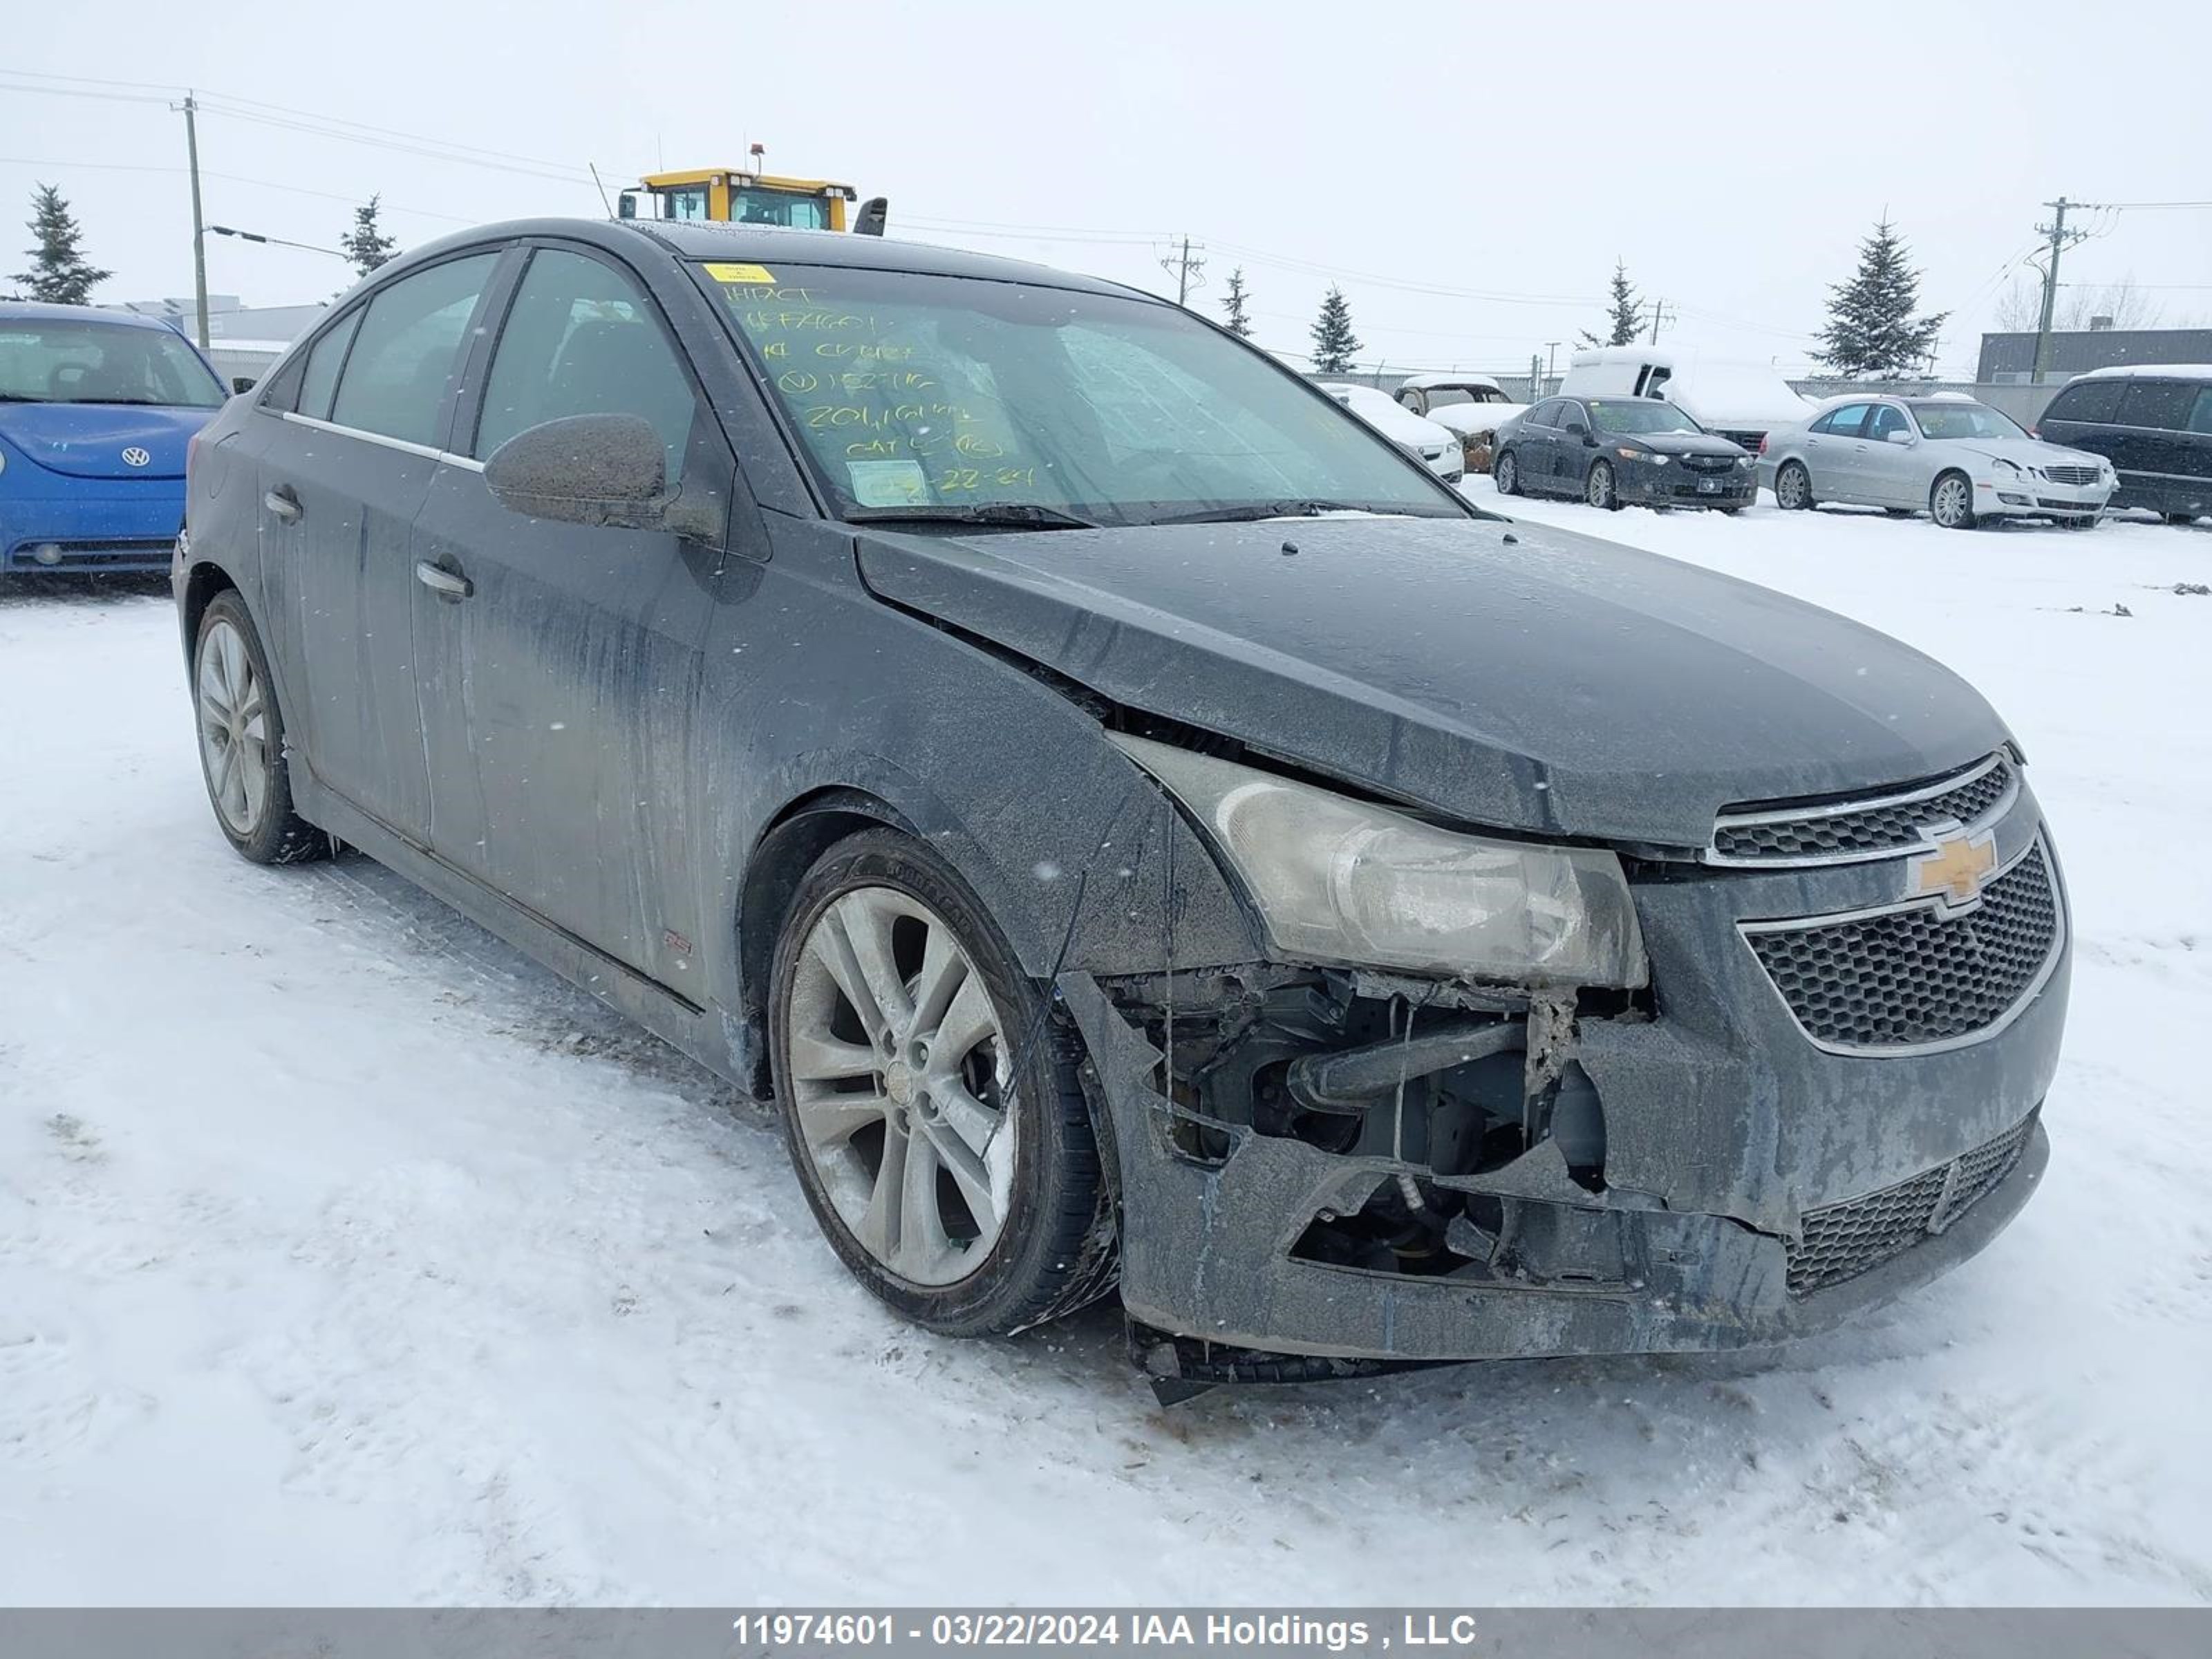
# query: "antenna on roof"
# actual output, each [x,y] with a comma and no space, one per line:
[604,203]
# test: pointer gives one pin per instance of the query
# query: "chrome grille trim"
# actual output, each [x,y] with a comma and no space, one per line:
[2038,849]
[1731,829]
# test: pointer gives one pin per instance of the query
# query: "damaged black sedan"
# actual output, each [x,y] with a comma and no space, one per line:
[1142,830]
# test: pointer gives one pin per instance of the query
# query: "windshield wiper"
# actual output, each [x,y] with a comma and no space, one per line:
[1249,512]
[1018,515]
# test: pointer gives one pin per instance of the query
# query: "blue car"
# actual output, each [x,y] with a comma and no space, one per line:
[96,411]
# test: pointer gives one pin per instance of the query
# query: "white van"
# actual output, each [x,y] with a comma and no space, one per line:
[1740,402]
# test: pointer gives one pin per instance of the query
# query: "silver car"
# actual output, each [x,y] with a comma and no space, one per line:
[1957,460]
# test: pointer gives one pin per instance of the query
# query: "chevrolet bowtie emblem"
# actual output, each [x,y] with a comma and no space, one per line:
[1954,869]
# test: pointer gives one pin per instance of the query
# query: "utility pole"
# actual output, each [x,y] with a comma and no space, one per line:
[1186,267]
[1658,311]
[199,230]
[2061,240]
[1535,378]
[1550,357]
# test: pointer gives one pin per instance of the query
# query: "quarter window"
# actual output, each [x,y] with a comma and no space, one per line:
[581,339]
[325,358]
[2200,412]
[406,352]
[2088,400]
[2160,403]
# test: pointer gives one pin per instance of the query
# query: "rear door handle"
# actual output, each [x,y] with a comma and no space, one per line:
[283,503]
[448,585]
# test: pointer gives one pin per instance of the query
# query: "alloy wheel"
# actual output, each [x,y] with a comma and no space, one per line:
[233,728]
[1789,488]
[1952,507]
[901,1082]
[1599,491]
[1506,474]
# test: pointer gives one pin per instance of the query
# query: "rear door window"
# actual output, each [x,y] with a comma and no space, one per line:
[407,350]
[2160,403]
[2088,400]
[325,358]
[1843,422]
[581,339]
[2200,412]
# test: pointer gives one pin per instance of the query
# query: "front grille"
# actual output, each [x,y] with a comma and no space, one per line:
[1842,1241]
[2065,507]
[1708,463]
[2071,475]
[1904,978]
[1861,829]
[1743,439]
[80,555]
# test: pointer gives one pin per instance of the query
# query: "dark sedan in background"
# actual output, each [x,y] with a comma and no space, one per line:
[1622,451]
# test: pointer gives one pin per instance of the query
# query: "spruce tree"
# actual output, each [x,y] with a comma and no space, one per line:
[1240,321]
[366,244]
[1626,325]
[60,274]
[1335,343]
[1871,330]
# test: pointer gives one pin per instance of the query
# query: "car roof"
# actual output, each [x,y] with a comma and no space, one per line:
[2151,371]
[769,246]
[35,310]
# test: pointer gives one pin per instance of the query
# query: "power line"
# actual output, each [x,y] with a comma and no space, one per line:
[230,178]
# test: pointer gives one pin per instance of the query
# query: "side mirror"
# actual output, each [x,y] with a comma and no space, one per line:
[241,383]
[873,213]
[1576,429]
[604,471]
[1903,437]
[626,205]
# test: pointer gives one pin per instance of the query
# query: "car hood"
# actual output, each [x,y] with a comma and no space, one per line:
[88,440]
[1506,675]
[1676,443]
[2021,452]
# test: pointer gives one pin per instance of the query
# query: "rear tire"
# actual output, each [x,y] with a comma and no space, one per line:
[1505,473]
[1599,489]
[241,733]
[1793,488]
[1951,502]
[954,1057]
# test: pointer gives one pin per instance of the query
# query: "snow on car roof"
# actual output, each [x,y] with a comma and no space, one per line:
[2169,371]
[1422,382]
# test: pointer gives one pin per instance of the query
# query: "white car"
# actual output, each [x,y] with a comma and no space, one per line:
[1473,405]
[1739,401]
[1435,446]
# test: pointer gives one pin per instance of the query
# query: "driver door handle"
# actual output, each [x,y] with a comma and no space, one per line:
[448,585]
[283,503]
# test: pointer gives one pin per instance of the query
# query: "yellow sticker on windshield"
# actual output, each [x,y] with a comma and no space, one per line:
[743,274]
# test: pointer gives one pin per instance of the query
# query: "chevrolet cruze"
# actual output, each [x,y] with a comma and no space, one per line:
[1145,833]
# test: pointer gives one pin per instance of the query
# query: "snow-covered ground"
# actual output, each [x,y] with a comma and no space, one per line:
[346,1257]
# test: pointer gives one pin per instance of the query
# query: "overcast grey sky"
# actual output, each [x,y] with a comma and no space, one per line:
[1468,173]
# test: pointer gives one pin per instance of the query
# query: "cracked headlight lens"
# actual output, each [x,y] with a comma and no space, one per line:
[1339,880]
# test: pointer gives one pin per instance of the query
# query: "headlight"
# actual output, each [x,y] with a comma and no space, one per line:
[1746,460]
[1337,880]
[2001,461]
[1626,453]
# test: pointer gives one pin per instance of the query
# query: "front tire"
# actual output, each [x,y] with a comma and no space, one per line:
[1505,473]
[241,733]
[1793,488]
[1951,503]
[931,1106]
[1599,489]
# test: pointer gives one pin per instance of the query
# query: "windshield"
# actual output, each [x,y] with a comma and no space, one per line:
[915,393]
[1443,397]
[1640,414]
[753,205]
[43,362]
[1949,420]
